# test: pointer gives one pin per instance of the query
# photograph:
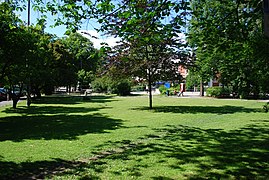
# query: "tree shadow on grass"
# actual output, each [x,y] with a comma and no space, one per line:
[73,99]
[239,154]
[197,153]
[58,100]
[201,109]
[19,128]
[46,169]
[101,99]
[51,110]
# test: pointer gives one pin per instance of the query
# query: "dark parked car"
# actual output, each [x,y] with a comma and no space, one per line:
[3,94]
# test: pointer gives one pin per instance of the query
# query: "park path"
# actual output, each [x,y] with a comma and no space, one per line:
[5,103]
[186,95]
[157,92]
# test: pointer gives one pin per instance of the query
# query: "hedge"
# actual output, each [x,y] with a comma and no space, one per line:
[218,92]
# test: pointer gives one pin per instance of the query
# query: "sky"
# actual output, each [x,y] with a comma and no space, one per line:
[111,41]
[88,27]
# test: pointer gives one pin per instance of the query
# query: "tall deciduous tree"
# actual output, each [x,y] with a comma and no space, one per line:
[63,69]
[85,57]
[15,49]
[224,34]
[149,32]
[9,23]
[83,51]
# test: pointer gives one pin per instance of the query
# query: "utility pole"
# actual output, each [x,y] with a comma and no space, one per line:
[266,17]
[29,10]
[27,63]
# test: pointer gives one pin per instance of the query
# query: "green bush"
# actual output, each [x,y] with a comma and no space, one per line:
[101,85]
[121,87]
[174,90]
[218,92]
[105,84]
[162,89]
[171,90]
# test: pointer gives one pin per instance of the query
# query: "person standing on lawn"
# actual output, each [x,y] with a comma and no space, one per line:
[182,89]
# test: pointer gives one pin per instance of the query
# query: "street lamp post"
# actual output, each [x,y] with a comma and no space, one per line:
[266,17]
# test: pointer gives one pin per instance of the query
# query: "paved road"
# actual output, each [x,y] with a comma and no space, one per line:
[5,103]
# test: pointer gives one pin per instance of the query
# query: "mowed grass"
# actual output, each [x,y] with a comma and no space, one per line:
[111,137]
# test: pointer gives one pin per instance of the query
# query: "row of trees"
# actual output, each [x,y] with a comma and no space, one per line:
[31,58]
[226,38]
[149,31]
[229,42]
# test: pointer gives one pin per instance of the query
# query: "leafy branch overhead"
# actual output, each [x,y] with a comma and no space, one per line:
[144,23]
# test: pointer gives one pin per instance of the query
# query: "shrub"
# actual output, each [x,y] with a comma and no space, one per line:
[266,107]
[105,84]
[121,87]
[218,92]
[162,89]
[101,85]
[172,90]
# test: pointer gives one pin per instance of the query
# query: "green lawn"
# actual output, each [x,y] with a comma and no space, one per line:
[111,137]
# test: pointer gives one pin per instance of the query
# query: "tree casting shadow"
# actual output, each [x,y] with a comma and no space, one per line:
[201,109]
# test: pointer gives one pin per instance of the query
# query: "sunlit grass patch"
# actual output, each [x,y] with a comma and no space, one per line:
[111,137]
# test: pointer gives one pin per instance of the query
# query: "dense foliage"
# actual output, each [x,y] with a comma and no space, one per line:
[229,42]
[34,61]
[218,92]
[85,58]
[22,53]
[150,37]
[106,84]
[193,80]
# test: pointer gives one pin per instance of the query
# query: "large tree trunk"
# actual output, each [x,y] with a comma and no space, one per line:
[149,79]
[202,90]
[15,100]
[28,94]
[38,94]
[29,100]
